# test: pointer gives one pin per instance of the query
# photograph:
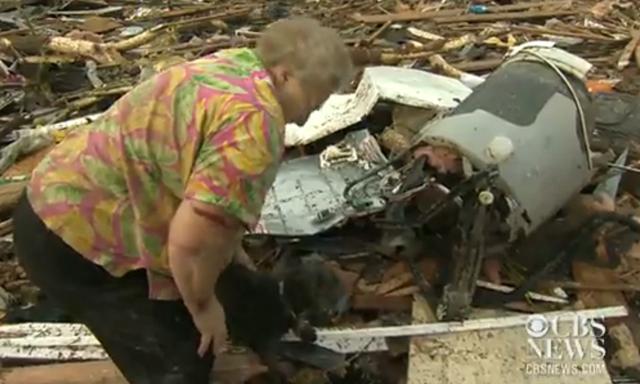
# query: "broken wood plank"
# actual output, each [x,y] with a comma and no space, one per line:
[395,283]
[10,194]
[629,51]
[478,65]
[593,286]
[339,340]
[374,339]
[554,32]
[83,48]
[404,16]
[416,16]
[406,291]
[180,12]
[6,227]
[379,32]
[423,35]
[530,295]
[467,325]
[502,16]
[440,65]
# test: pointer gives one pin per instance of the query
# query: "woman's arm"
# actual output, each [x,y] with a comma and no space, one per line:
[202,242]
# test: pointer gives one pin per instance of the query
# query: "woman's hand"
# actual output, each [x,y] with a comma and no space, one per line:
[210,321]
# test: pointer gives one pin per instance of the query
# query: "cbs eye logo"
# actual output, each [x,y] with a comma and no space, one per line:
[537,326]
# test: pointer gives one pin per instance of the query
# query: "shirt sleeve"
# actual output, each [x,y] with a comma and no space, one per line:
[236,166]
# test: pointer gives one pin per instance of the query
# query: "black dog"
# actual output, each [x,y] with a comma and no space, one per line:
[256,312]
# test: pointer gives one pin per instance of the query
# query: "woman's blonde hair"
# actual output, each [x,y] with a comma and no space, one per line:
[315,54]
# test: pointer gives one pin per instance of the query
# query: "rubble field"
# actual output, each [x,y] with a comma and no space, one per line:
[467,212]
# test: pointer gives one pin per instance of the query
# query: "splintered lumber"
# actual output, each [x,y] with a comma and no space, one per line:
[181,12]
[395,283]
[593,286]
[478,65]
[6,227]
[97,51]
[440,64]
[110,53]
[629,51]
[374,339]
[10,194]
[38,341]
[416,16]
[503,16]
[529,295]
[404,16]
[548,31]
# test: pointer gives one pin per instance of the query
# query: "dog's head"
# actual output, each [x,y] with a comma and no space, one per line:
[257,312]
[313,290]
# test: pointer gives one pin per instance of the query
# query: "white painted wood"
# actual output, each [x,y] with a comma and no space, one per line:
[401,85]
[55,341]
[530,295]
[463,326]
[52,353]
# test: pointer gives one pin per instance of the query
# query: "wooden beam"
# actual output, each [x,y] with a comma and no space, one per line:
[478,65]
[462,326]
[10,194]
[491,17]
[21,342]
[416,16]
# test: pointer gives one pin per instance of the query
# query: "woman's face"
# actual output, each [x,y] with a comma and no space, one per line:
[297,102]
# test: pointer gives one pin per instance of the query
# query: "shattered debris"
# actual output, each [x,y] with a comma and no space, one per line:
[307,198]
[486,159]
[404,86]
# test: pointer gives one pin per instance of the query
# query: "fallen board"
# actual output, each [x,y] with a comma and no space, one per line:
[55,341]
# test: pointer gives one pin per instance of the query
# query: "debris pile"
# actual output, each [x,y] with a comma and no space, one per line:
[482,169]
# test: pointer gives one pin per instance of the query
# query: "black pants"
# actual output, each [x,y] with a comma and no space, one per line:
[151,341]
